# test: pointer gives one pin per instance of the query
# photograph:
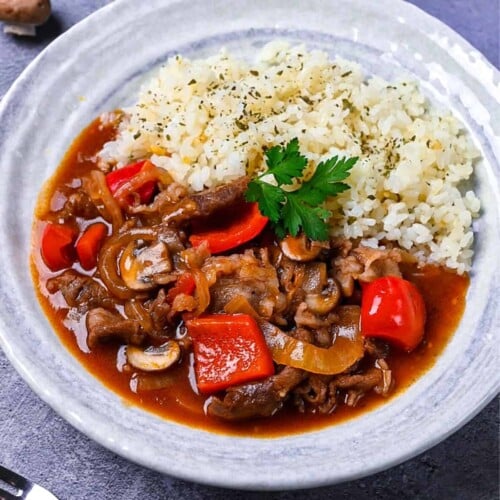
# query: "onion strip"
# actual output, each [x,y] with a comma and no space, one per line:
[98,191]
[346,350]
[108,260]
[202,292]
[240,305]
[135,310]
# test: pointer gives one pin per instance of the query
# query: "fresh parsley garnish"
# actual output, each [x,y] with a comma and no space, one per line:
[301,209]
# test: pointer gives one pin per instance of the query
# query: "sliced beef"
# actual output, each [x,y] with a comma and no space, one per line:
[249,275]
[197,205]
[174,205]
[79,204]
[376,348]
[103,325]
[304,317]
[378,378]
[227,289]
[258,399]
[164,316]
[82,292]
[363,381]
[211,200]
[165,203]
[159,310]
[341,246]
[377,263]
[367,264]
[346,271]
[316,394]
[322,394]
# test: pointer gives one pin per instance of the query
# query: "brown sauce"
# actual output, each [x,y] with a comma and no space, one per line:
[444,293]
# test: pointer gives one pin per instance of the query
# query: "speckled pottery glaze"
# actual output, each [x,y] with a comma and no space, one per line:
[98,65]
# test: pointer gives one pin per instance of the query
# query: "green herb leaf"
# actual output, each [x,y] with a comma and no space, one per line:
[326,180]
[299,214]
[269,198]
[300,210]
[292,216]
[285,163]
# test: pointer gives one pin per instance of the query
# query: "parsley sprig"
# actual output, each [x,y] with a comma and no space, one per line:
[291,211]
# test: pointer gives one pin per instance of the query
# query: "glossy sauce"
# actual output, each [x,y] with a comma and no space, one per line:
[444,293]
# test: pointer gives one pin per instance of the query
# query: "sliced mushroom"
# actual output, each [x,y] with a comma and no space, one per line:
[324,302]
[152,358]
[301,248]
[315,277]
[143,268]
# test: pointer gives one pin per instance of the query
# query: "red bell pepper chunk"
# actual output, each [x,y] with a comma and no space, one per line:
[393,309]
[244,224]
[57,246]
[185,284]
[229,349]
[117,178]
[89,244]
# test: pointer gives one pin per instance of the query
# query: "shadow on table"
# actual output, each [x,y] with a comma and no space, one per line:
[44,34]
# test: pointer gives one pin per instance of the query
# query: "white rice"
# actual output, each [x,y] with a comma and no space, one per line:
[207,121]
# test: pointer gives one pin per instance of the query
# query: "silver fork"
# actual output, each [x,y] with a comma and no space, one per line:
[26,490]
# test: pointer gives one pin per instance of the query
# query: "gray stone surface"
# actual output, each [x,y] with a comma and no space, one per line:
[39,444]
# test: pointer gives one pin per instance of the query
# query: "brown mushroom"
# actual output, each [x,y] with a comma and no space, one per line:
[301,248]
[21,16]
[324,302]
[143,268]
[152,358]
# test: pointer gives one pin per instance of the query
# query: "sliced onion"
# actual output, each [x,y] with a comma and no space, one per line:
[346,350]
[202,292]
[108,259]
[240,305]
[194,258]
[135,310]
[97,189]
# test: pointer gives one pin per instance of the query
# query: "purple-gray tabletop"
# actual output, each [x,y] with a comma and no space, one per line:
[36,442]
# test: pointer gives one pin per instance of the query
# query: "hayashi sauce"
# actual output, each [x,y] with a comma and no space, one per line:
[444,293]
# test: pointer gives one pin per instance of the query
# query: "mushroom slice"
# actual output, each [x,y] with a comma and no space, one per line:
[153,359]
[324,302]
[301,248]
[142,267]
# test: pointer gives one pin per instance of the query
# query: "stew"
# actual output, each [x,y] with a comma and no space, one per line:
[252,335]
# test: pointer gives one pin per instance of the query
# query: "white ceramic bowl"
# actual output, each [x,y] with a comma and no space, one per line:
[97,66]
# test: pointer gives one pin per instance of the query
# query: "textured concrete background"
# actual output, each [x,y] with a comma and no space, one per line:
[39,444]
